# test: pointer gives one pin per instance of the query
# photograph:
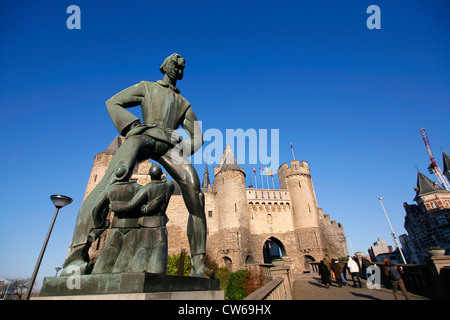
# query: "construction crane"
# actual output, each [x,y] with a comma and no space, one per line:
[434,168]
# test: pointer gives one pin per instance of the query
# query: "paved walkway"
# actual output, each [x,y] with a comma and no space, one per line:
[309,287]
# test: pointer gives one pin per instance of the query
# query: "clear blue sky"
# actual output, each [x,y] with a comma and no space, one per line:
[350,99]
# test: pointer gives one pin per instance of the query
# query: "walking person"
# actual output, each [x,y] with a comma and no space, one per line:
[354,271]
[343,267]
[337,270]
[367,272]
[324,273]
[394,274]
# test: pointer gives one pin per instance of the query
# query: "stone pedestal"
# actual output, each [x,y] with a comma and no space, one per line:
[135,286]
[284,272]
[435,265]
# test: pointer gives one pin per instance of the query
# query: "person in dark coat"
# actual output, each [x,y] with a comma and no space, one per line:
[324,273]
[337,269]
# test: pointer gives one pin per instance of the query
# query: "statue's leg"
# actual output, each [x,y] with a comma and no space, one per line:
[143,252]
[108,256]
[134,149]
[127,250]
[186,176]
[158,259]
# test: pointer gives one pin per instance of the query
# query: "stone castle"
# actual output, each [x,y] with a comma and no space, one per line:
[245,225]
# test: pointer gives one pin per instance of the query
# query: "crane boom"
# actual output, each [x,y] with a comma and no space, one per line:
[434,167]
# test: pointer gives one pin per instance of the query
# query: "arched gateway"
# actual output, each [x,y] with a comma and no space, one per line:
[273,248]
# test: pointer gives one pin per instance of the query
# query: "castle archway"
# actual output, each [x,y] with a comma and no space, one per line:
[227,263]
[307,261]
[273,248]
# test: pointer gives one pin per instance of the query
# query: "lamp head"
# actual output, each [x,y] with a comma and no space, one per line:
[60,201]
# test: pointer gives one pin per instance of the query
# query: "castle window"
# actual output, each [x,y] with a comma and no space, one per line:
[309,208]
[299,184]
[269,219]
[235,207]
[95,178]
[210,214]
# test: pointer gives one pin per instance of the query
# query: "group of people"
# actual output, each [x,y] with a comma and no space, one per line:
[337,269]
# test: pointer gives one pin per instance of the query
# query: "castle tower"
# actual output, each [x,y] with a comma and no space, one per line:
[101,163]
[231,204]
[305,211]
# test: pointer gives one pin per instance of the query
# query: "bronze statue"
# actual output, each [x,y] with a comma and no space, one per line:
[164,110]
[151,250]
[121,242]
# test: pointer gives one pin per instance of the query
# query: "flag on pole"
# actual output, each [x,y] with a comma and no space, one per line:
[262,180]
[292,149]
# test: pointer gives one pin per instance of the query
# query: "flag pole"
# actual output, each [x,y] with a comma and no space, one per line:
[292,149]
[262,180]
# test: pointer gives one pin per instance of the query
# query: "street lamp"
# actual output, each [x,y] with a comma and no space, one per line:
[353,252]
[392,229]
[59,201]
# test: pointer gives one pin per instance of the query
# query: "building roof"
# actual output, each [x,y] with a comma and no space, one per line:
[114,145]
[446,160]
[425,186]
[206,181]
[228,161]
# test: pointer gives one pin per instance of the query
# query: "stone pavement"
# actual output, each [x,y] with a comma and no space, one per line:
[309,287]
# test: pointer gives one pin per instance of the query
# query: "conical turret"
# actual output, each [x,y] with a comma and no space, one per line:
[231,203]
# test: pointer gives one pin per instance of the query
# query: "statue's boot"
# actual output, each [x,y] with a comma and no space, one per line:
[199,268]
[77,262]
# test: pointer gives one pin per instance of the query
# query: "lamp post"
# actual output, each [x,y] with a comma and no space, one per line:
[59,201]
[353,252]
[392,229]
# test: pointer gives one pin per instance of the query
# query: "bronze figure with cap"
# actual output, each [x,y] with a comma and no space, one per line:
[164,110]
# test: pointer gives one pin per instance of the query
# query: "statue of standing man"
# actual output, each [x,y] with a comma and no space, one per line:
[164,110]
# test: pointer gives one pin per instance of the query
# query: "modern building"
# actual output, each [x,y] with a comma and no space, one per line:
[428,221]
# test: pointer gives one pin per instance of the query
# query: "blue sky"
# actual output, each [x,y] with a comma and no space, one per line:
[350,99]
